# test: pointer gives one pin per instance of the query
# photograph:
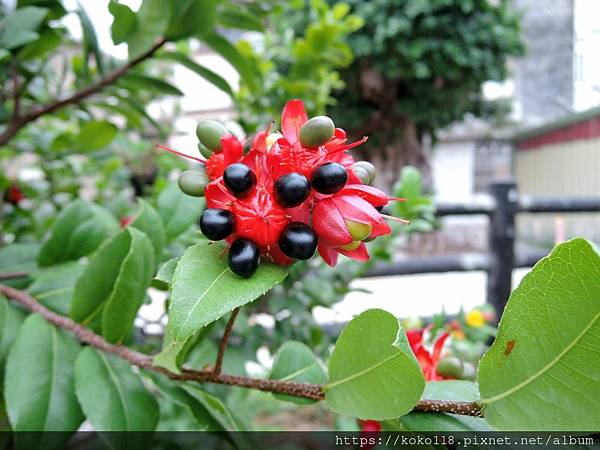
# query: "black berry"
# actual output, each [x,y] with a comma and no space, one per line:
[298,241]
[239,179]
[329,178]
[216,224]
[291,189]
[244,257]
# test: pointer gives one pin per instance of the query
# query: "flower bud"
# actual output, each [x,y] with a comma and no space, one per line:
[193,182]
[272,138]
[317,131]
[210,133]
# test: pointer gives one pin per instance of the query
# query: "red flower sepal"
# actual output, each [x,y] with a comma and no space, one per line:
[333,216]
[232,152]
[428,360]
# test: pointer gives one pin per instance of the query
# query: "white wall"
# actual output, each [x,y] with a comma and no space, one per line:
[586,64]
[453,169]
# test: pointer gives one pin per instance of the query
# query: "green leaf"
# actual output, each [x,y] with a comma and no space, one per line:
[148,221]
[219,412]
[129,288]
[373,374]
[135,82]
[39,385]
[19,257]
[11,319]
[455,390]
[294,361]
[233,16]
[79,230]
[95,135]
[543,370]
[112,397]
[124,23]
[410,185]
[152,21]
[90,40]
[436,422]
[54,287]
[173,353]
[204,72]
[56,10]
[205,417]
[228,51]
[115,283]
[191,18]
[19,27]
[204,288]
[164,276]
[47,42]
[178,211]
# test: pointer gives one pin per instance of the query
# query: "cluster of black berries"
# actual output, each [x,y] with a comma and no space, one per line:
[298,240]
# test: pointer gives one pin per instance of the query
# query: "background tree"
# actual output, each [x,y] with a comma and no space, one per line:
[419,66]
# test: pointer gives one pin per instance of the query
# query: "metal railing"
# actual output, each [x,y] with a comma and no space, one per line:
[501,206]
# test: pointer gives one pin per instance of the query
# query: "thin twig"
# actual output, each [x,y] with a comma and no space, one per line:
[13,275]
[20,121]
[305,390]
[224,339]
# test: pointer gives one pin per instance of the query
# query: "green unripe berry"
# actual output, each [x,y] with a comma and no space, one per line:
[210,133]
[351,246]
[358,231]
[450,368]
[193,182]
[366,166]
[361,173]
[469,372]
[204,151]
[317,131]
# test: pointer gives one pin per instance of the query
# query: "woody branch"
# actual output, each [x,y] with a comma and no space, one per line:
[304,390]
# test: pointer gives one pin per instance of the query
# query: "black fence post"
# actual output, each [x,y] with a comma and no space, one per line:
[501,243]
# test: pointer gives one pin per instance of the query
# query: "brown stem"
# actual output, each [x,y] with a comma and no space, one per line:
[19,121]
[13,275]
[224,339]
[305,390]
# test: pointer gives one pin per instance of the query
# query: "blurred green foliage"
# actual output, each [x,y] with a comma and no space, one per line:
[299,56]
[419,207]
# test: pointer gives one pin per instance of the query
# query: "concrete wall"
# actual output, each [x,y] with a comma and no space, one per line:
[544,76]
